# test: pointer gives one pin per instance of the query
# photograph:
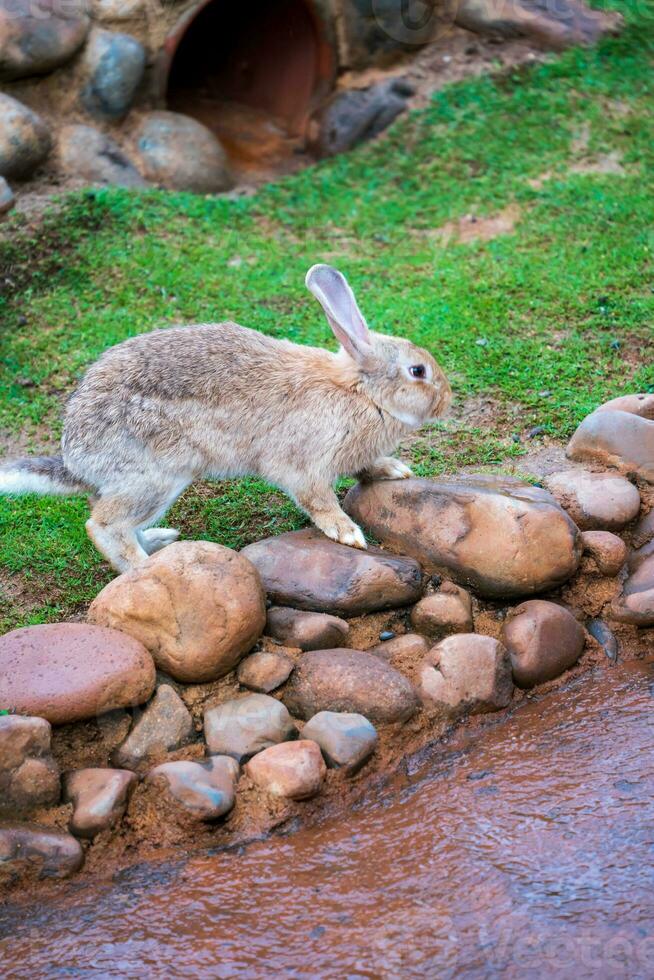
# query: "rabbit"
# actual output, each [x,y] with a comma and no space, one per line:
[162,409]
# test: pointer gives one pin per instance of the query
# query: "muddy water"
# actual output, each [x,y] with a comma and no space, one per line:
[522,850]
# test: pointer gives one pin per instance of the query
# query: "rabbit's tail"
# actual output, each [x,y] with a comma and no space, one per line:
[39,474]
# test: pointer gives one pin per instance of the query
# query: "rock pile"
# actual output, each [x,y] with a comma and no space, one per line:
[290,697]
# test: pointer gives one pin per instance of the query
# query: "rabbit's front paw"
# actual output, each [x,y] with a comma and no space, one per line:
[345,532]
[388,468]
[156,538]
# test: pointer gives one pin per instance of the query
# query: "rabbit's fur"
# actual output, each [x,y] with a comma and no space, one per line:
[163,409]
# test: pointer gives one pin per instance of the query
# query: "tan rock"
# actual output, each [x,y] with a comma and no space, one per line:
[99,798]
[543,640]
[349,680]
[25,139]
[465,673]
[595,501]
[636,604]
[244,726]
[498,535]
[71,671]
[264,671]
[306,570]
[619,433]
[28,850]
[37,38]
[206,790]
[409,646]
[293,770]
[29,776]
[306,630]
[181,153]
[198,607]
[444,612]
[608,550]
[165,724]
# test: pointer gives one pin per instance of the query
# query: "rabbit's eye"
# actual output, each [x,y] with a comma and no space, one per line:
[417,371]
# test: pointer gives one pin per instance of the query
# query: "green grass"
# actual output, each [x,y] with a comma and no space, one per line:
[550,320]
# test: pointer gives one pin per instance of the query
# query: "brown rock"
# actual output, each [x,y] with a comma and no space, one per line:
[28,851]
[608,550]
[595,501]
[444,612]
[500,536]
[87,153]
[181,153]
[264,671]
[25,140]
[205,789]
[643,532]
[306,630]
[349,680]
[346,740]
[465,673]
[165,724]
[198,607]
[99,798]
[306,570]
[29,776]
[244,726]
[543,640]
[411,646]
[36,38]
[71,671]
[293,770]
[556,26]
[636,604]
[619,433]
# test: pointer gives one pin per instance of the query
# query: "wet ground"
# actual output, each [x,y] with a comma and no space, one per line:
[525,849]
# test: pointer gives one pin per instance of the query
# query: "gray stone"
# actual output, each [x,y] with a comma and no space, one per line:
[99,798]
[346,739]
[114,65]
[306,630]
[36,37]
[165,724]
[244,726]
[29,776]
[205,790]
[7,198]
[24,139]
[292,770]
[465,673]
[357,115]
[29,851]
[179,153]
[264,671]
[87,153]
[605,637]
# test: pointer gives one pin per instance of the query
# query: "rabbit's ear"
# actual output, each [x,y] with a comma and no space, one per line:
[331,289]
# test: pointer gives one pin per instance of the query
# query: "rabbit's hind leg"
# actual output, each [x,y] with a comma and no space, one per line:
[116,520]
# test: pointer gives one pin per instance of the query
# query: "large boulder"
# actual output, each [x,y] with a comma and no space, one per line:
[99,798]
[498,535]
[465,673]
[179,153]
[71,671]
[114,65]
[29,776]
[543,640]
[306,570]
[595,501]
[198,608]
[619,433]
[244,726]
[25,140]
[29,851]
[165,724]
[306,630]
[35,37]
[204,790]
[292,770]
[636,604]
[352,681]
[87,153]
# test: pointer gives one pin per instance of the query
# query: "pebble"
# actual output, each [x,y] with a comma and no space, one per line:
[346,739]
[198,607]
[292,770]
[206,790]
[7,198]
[465,673]
[444,612]
[28,851]
[305,570]
[351,681]
[499,535]
[242,727]
[605,637]
[264,671]
[607,550]
[306,630]
[164,725]
[71,671]
[543,640]
[29,776]
[386,635]
[595,501]
[411,646]
[99,798]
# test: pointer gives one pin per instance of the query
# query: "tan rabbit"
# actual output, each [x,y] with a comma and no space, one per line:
[163,409]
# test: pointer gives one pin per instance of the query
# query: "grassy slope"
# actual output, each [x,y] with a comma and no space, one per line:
[563,305]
